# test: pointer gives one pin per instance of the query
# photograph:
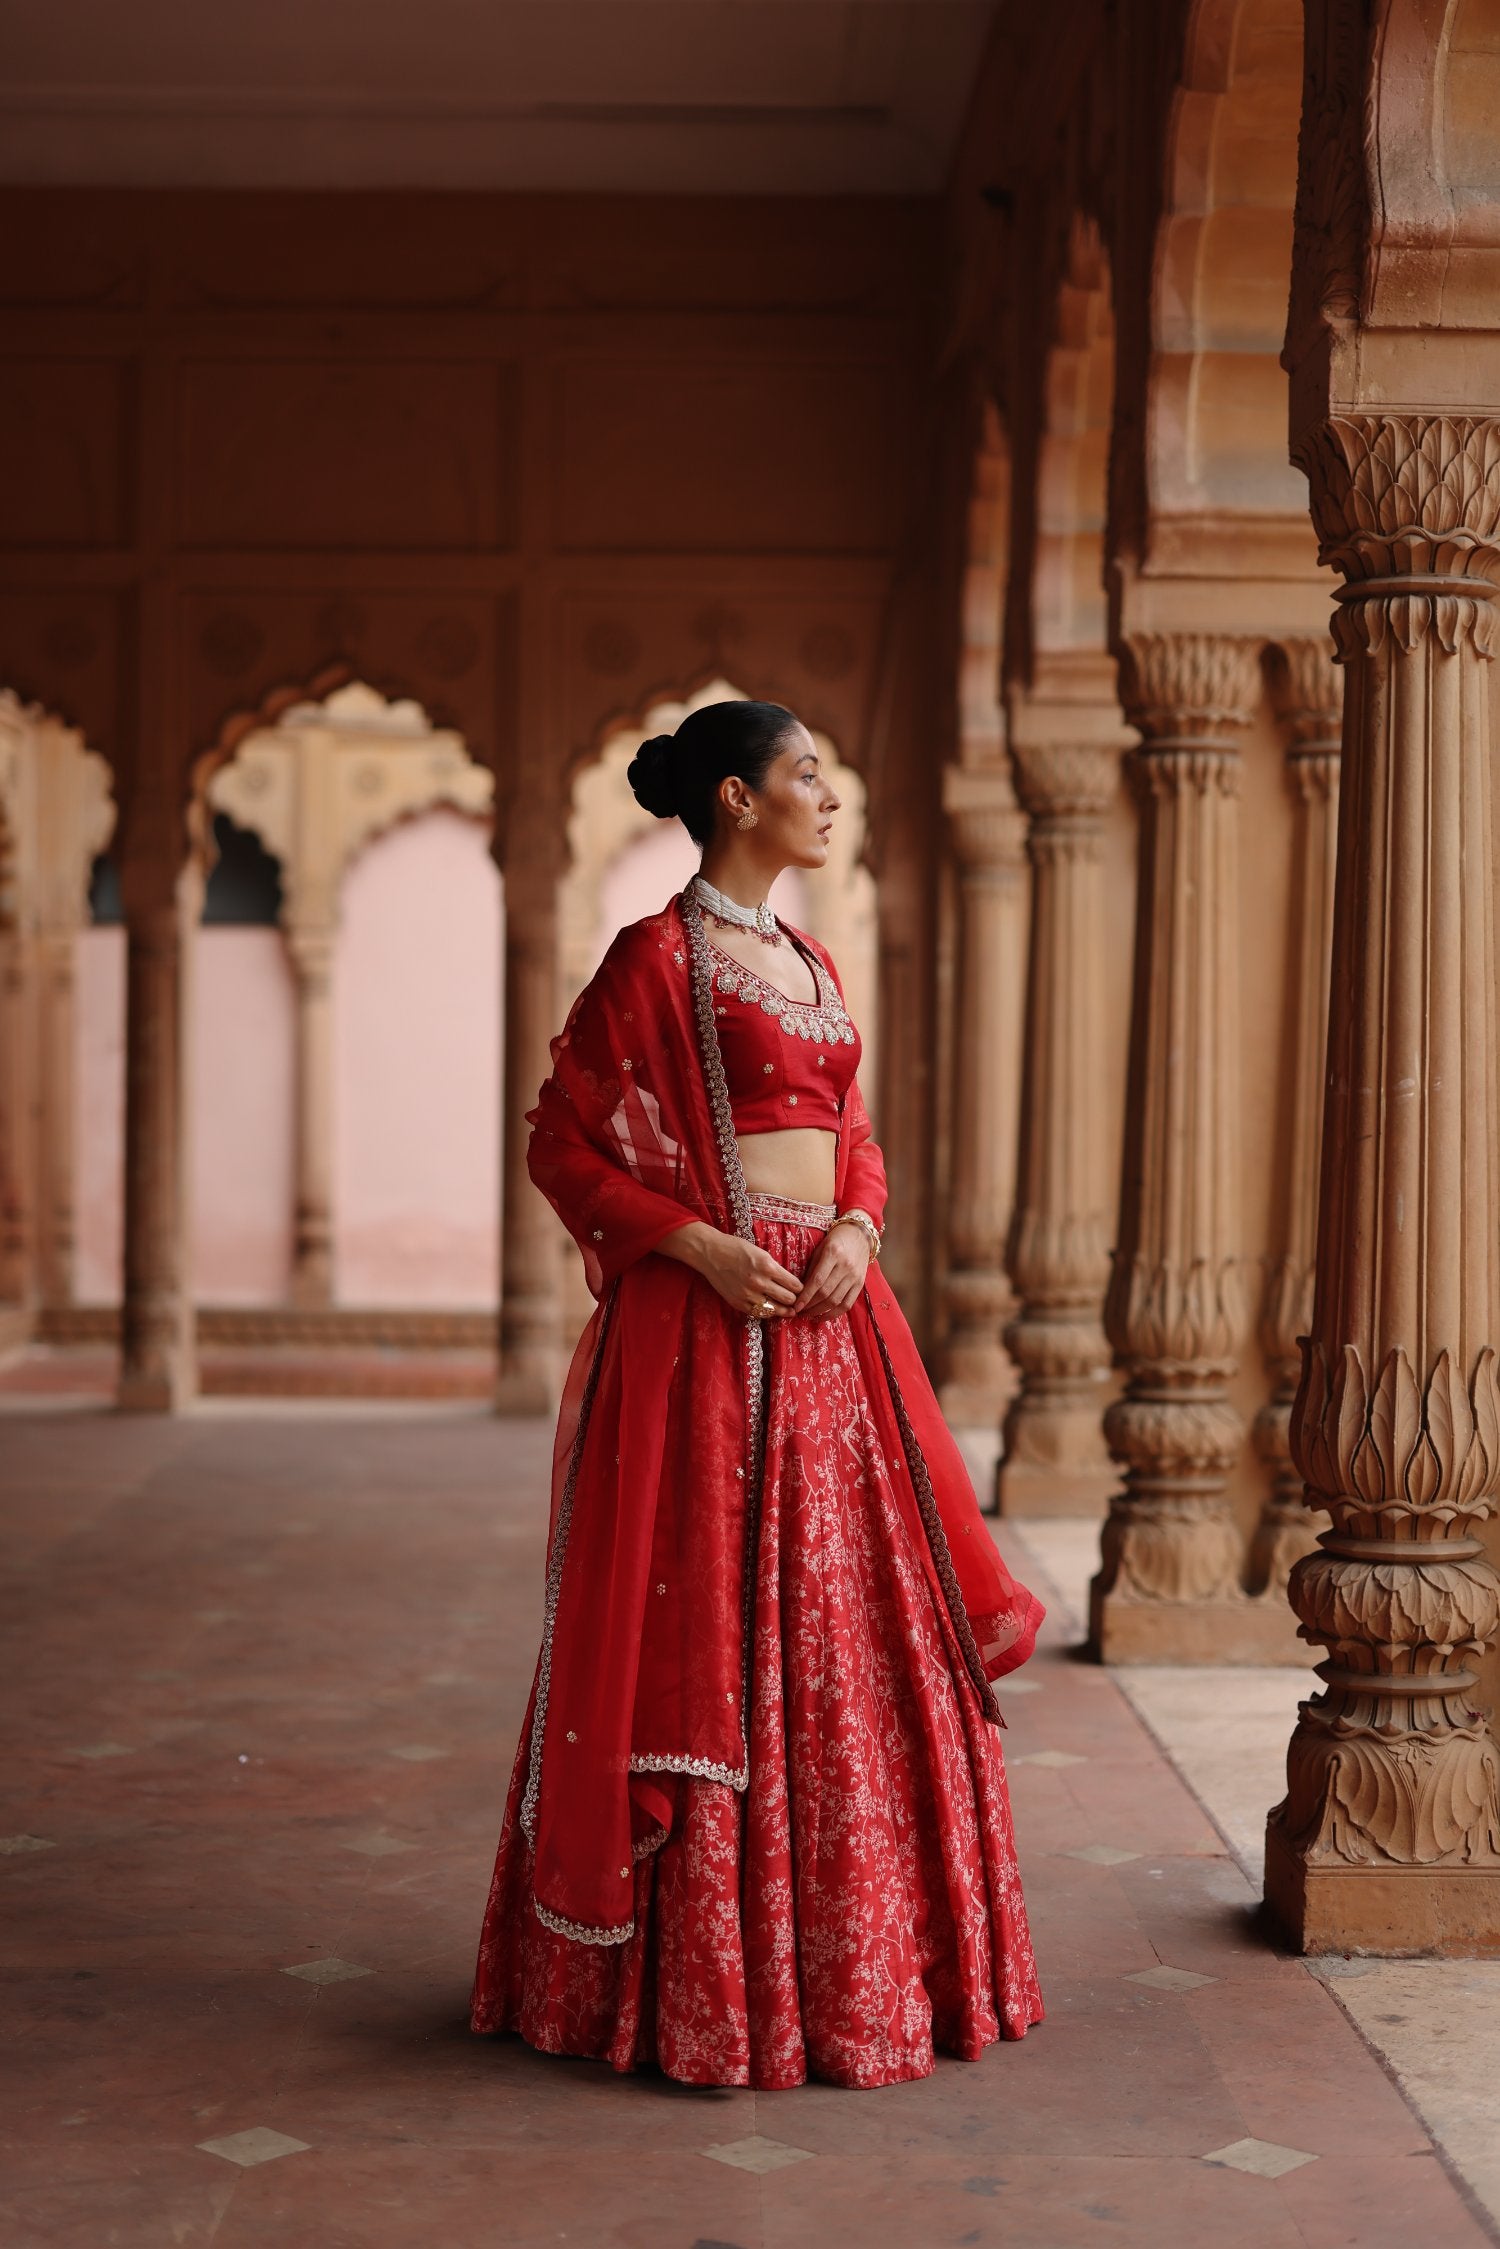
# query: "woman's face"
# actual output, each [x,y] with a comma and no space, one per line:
[795,805]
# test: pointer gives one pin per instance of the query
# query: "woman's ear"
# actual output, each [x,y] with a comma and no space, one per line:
[734,796]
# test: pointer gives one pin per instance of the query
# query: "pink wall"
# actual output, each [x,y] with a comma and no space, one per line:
[243,1095]
[99,1113]
[417,1001]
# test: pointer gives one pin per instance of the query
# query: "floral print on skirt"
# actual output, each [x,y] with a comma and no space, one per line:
[859,1907]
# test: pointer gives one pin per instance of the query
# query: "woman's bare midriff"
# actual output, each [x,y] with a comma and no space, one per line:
[798,1164]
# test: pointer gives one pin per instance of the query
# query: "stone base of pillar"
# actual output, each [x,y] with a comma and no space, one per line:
[524,1390]
[168,1387]
[1248,1630]
[1044,1489]
[311,1290]
[1391,1912]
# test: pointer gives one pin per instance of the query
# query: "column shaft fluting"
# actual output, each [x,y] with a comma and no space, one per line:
[988,831]
[1054,1459]
[1308,691]
[1169,1585]
[1389,1836]
[158,1371]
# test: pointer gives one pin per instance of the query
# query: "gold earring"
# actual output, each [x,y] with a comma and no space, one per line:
[747,820]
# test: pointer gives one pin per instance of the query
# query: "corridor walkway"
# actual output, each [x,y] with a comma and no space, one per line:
[265,1671]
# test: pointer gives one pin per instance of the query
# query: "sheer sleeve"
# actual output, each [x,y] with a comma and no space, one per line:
[864,1184]
[864,1178]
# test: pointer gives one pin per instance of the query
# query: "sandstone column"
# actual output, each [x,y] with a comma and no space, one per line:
[158,1369]
[311,949]
[530,1244]
[1168,1589]
[1389,1836]
[988,831]
[1054,1460]
[1308,692]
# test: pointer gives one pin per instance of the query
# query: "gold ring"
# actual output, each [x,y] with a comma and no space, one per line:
[766,1307]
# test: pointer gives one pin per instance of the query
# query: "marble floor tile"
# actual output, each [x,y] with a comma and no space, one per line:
[1263,2159]
[257,2145]
[758,2154]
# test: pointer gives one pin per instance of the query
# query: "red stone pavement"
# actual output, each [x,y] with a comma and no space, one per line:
[263,1679]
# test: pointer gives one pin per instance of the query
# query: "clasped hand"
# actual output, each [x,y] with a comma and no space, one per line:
[749,1279]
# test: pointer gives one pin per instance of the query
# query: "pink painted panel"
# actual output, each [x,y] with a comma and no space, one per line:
[99,1114]
[417,1023]
[243,1116]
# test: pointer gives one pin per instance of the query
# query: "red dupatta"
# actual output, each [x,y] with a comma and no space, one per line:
[643,1671]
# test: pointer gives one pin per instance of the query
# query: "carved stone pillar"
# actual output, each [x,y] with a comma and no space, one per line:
[1389,1836]
[158,1365]
[988,831]
[1169,1586]
[1308,692]
[311,948]
[1054,1460]
[530,1243]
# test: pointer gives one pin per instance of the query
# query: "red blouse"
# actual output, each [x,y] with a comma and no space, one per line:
[786,1062]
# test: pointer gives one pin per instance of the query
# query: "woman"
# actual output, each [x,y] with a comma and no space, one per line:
[758,1826]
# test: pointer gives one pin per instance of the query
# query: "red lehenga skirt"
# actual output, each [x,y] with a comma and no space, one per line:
[859,1907]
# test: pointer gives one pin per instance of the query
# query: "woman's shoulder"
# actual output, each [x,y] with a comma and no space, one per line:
[654,944]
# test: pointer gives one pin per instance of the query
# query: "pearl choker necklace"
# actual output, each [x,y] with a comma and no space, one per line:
[728,913]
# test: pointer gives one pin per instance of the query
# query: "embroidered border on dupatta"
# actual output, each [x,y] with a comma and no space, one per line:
[937,1537]
[557,1921]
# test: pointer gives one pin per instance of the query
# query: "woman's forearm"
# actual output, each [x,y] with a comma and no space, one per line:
[689,1243]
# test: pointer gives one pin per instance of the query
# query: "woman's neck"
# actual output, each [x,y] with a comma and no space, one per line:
[739,875]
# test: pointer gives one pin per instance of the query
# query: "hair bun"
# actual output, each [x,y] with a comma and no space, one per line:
[652,779]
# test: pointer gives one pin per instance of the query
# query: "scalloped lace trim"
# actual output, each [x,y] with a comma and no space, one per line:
[701,1768]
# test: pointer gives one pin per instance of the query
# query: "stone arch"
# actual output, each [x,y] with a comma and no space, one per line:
[1395,215]
[982,595]
[1066,594]
[1215,423]
[328,778]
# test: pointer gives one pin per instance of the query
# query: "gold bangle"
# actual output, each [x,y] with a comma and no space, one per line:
[866,1225]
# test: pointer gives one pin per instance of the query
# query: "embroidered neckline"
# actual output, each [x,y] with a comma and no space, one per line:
[823,1017]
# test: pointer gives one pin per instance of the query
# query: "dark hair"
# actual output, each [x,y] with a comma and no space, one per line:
[677,776]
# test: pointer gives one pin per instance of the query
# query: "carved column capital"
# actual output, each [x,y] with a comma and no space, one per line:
[1307,690]
[1066,784]
[1407,506]
[1189,687]
[310,946]
[987,826]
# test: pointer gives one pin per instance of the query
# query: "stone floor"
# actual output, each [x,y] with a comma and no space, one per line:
[265,1672]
